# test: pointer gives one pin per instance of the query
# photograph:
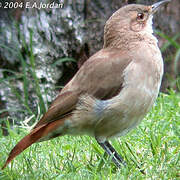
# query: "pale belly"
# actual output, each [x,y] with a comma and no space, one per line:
[125,112]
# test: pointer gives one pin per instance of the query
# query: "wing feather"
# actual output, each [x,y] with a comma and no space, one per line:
[100,76]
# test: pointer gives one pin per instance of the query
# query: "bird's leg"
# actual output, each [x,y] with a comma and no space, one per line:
[119,157]
[116,158]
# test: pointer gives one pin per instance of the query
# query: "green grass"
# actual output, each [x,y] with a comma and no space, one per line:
[154,146]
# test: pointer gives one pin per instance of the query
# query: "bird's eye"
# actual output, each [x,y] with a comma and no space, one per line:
[140,16]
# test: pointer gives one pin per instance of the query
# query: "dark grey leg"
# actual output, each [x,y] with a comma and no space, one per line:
[121,160]
[116,158]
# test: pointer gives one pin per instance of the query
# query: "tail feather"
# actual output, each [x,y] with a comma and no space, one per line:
[31,138]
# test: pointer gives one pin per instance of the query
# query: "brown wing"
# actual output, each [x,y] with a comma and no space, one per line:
[100,76]
[60,107]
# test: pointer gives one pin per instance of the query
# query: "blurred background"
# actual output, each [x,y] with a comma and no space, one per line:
[41,50]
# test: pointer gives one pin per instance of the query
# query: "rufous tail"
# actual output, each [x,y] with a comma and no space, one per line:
[31,138]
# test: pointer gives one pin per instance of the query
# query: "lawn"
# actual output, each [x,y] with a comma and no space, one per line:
[152,151]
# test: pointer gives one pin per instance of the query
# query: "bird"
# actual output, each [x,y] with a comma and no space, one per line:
[113,90]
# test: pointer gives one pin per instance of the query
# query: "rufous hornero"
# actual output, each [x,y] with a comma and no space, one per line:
[113,90]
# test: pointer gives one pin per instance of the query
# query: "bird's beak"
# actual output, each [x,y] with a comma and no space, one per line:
[157,5]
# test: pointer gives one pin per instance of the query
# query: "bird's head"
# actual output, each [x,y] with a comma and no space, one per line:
[131,21]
